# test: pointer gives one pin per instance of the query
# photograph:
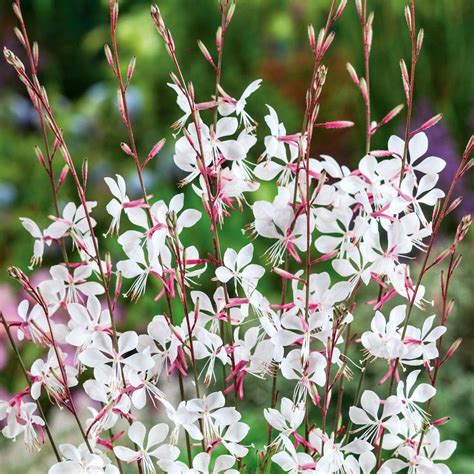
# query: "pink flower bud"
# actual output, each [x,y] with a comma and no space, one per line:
[40,157]
[126,149]
[131,69]
[156,149]
[205,52]
[335,124]
[312,37]
[441,421]
[340,9]
[109,57]
[428,124]
[352,73]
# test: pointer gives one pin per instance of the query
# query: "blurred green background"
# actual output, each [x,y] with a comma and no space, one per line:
[267,39]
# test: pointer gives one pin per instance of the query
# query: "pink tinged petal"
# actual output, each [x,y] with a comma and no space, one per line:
[223,274]
[125,454]
[136,433]
[359,416]
[423,393]
[370,402]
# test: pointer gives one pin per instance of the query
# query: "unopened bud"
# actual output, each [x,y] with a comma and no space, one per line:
[39,155]
[419,40]
[451,351]
[340,9]
[35,54]
[463,228]
[335,124]
[428,124]
[219,38]
[455,204]
[205,52]
[408,18]
[352,73]
[63,175]
[19,35]
[108,55]
[131,69]
[441,421]
[393,113]
[17,11]
[126,149]
[312,37]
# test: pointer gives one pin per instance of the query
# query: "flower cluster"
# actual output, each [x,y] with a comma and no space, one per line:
[367,224]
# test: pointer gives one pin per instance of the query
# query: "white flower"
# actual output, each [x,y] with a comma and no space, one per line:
[372,423]
[116,205]
[308,375]
[228,105]
[81,461]
[410,396]
[384,340]
[237,266]
[85,321]
[286,420]
[152,448]
[223,463]
[292,461]
[417,147]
